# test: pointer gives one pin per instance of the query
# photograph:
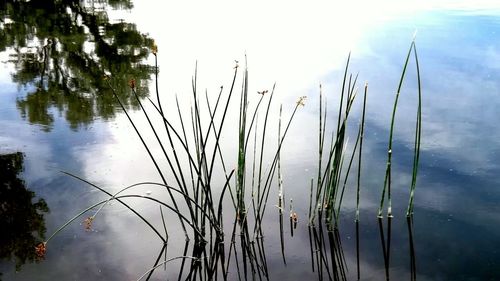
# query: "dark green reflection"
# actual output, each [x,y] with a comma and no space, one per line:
[63,49]
[21,219]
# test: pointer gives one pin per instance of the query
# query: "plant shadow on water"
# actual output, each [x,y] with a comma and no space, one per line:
[192,149]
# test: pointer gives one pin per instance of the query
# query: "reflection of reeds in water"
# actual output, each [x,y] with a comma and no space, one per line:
[386,243]
[413,262]
[327,255]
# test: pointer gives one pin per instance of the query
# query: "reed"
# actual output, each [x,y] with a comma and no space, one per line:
[416,151]
[418,133]
[358,189]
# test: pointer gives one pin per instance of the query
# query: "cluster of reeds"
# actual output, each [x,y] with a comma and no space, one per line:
[333,175]
[327,192]
[195,197]
[194,155]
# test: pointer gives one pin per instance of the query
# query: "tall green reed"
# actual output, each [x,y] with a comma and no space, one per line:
[416,151]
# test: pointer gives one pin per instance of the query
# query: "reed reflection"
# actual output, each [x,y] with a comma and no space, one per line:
[413,262]
[386,243]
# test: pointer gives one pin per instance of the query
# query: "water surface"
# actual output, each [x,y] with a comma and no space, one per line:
[58,113]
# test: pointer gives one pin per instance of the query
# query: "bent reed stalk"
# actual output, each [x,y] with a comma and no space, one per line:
[416,150]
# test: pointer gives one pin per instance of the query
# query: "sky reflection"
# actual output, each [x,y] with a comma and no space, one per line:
[298,47]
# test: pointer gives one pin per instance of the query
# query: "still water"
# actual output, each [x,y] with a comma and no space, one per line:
[57,113]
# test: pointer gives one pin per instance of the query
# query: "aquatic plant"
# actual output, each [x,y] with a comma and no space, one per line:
[196,141]
[418,134]
[330,188]
[191,147]
[386,239]
[416,151]
[325,202]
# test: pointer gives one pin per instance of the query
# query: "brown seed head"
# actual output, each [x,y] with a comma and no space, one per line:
[88,223]
[302,101]
[40,250]
[131,83]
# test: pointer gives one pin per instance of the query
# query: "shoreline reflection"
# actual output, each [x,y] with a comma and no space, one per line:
[21,214]
[61,52]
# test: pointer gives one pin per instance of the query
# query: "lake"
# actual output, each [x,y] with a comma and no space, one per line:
[65,63]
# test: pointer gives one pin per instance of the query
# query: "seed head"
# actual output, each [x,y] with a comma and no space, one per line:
[131,83]
[40,250]
[302,101]
[88,223]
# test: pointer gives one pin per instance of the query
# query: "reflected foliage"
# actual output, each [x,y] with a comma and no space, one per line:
[21,216]
[63,49]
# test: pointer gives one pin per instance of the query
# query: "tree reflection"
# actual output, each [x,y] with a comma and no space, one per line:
[62,50]
[22,221]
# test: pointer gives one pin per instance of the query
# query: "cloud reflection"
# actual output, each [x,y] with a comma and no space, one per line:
[460,109]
